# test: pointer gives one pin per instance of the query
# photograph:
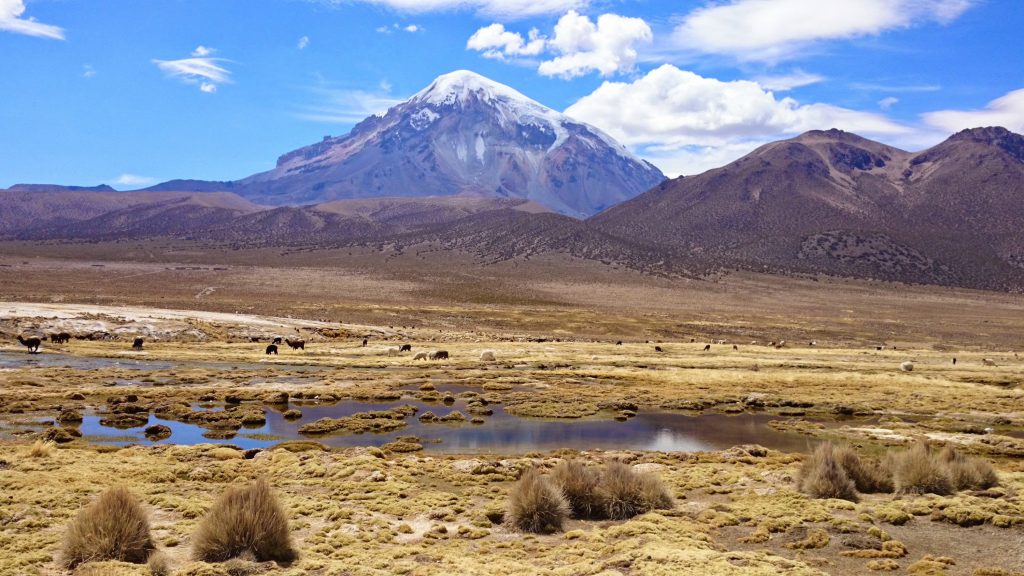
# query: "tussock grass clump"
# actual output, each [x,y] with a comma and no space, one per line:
[624,493]
[578,483]
[113,527]
[968,472]
[245,519]
[536,504]
[159,564]
[869,476]
[919,470]
[822,476]
[42,449]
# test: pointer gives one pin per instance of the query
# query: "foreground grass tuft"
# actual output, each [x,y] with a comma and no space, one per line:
[159,564]
[244,520]
[42,449]
[822,476]
[968,472]
[869,476]
[536,504]
[112,527]
[578,483]
[624,493]
[919,470]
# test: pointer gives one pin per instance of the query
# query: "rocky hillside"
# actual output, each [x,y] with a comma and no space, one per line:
[837,203]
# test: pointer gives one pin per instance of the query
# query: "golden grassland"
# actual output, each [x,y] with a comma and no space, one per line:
[364,511]
[403,510]
[368,511]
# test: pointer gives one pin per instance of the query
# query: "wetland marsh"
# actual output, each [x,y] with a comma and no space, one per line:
[372,484]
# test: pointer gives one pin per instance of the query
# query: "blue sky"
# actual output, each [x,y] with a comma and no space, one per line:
[131,93]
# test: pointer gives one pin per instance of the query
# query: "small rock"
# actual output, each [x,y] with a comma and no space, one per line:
[648,467]
[275,398]
[157,432]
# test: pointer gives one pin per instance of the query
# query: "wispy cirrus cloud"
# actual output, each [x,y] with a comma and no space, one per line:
[1006,111]
[874,87]
[11,21]
[507,9]
[133,180]
[787,82]
[347,106]
[888,102]
[396,27]
[774,30]
[199,69]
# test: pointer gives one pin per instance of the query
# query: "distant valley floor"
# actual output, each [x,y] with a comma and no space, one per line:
[549,296]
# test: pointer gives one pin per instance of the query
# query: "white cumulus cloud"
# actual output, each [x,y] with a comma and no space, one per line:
[206,72]
[608,46]
[770,30]
[202,51]
[1006,111]
[11,21]
[496,42]
[692,120]
[577,46]
[302,43]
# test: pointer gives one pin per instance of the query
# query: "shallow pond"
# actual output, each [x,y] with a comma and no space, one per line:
[61,360]
[500,433]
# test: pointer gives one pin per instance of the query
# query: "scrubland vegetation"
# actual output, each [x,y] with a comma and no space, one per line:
[892,471]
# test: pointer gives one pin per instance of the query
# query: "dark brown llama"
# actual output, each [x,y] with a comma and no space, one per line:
[31,343]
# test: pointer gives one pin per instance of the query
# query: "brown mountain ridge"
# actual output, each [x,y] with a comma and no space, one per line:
[825,202]
[836,203]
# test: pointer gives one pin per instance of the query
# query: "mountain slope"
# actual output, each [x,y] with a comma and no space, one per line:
[837,203]
[354,221]
[76,214]
[463,133]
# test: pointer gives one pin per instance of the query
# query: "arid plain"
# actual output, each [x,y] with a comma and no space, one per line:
[726,429]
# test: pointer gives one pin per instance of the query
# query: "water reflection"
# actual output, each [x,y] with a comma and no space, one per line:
[61,360]
[501,432]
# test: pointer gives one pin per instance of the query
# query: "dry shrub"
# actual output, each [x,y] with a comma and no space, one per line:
[654,493]
[159,564]
[869,476]
[41,449]
[624,493]
[112,527]
[821,476]
[919,470]
[968,472]
[578,483]
[245,519]
[536,504]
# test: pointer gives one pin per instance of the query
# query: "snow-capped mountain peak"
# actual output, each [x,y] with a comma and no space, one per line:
[456,87]
[464,133]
